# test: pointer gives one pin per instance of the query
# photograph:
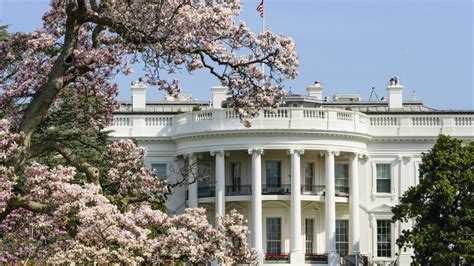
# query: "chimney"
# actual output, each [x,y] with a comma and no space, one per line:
[316,90]
[138,95]
[395,94]
[218,96]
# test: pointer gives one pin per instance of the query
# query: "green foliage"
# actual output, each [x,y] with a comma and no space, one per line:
[196,108]
[441,206]
[3,33]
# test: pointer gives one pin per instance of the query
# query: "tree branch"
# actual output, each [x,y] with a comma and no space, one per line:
[20,202]
[91,172]
[45,96]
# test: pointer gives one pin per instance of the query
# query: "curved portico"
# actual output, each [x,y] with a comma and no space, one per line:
[293,186]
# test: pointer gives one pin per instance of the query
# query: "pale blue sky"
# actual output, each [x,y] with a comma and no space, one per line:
[350,45]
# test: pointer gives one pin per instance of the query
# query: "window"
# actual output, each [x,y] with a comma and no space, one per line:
[308,224]
[235,175]
[273,170]
[384,245]
[204,174]
[161,170]
[342,237]
[273,235]
[383,178]
[308,176]
[342,178]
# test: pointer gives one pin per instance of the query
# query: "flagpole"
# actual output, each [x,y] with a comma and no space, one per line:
[263,31]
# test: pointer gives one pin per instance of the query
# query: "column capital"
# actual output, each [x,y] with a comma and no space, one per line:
[330,152]
[259,151]
[295,151]
[404,158]
[219,152]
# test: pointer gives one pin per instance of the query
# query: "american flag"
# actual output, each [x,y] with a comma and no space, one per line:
[260,9]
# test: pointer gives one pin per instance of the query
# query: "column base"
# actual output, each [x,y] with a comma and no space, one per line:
[333,259]
[297,258]
[260,258]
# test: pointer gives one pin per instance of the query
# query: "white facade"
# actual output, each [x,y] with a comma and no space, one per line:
[310,180]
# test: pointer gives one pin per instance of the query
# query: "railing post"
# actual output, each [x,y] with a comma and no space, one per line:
[331,118]
[447,125]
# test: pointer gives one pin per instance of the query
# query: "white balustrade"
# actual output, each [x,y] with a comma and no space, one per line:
[314,114]
[319,119]
[426,121]
[121,121]
[158,121]
[384,121]
[464,121]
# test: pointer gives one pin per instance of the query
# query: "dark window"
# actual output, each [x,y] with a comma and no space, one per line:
[308,176]
[309,232]
[273,170]
[384,239]
[383,178]
[161,170]
[342,178]
[273,235]
[236,176]
[342,237]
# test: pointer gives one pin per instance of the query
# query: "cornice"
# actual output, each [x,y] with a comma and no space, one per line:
[268,132]
[414,138]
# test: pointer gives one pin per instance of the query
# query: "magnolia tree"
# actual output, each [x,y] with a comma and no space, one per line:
[68,194]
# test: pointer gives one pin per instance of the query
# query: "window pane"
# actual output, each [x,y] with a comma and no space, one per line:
[342,178]
[160,170]
[273,170]
[308,176]
[235,174]
[383,178]
[384,242]
[274,235]
[309,235]
[342,237]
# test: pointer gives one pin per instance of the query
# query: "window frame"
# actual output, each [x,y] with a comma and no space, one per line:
[267,233]
[389,242]
[280,164]
[234,186]
[309,187]
[380,178]
[345,167]
[311,242]
[393,178]
[346,241]
[167,165]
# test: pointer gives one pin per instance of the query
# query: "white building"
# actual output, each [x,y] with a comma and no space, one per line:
[315,177]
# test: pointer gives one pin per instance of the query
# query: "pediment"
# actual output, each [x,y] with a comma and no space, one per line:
[381,208]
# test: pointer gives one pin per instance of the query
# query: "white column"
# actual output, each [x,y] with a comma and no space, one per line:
[256,219]
[220,183]
[354,225]
[330,209]
[297,255]
[193,183]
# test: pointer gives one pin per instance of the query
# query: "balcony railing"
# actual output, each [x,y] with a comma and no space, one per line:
[206,192]
[241,190]
[276,189]
[314,258]
[312,190]
[270,189]
[342,190]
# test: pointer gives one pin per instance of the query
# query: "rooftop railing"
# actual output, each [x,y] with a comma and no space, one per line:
[320,119]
